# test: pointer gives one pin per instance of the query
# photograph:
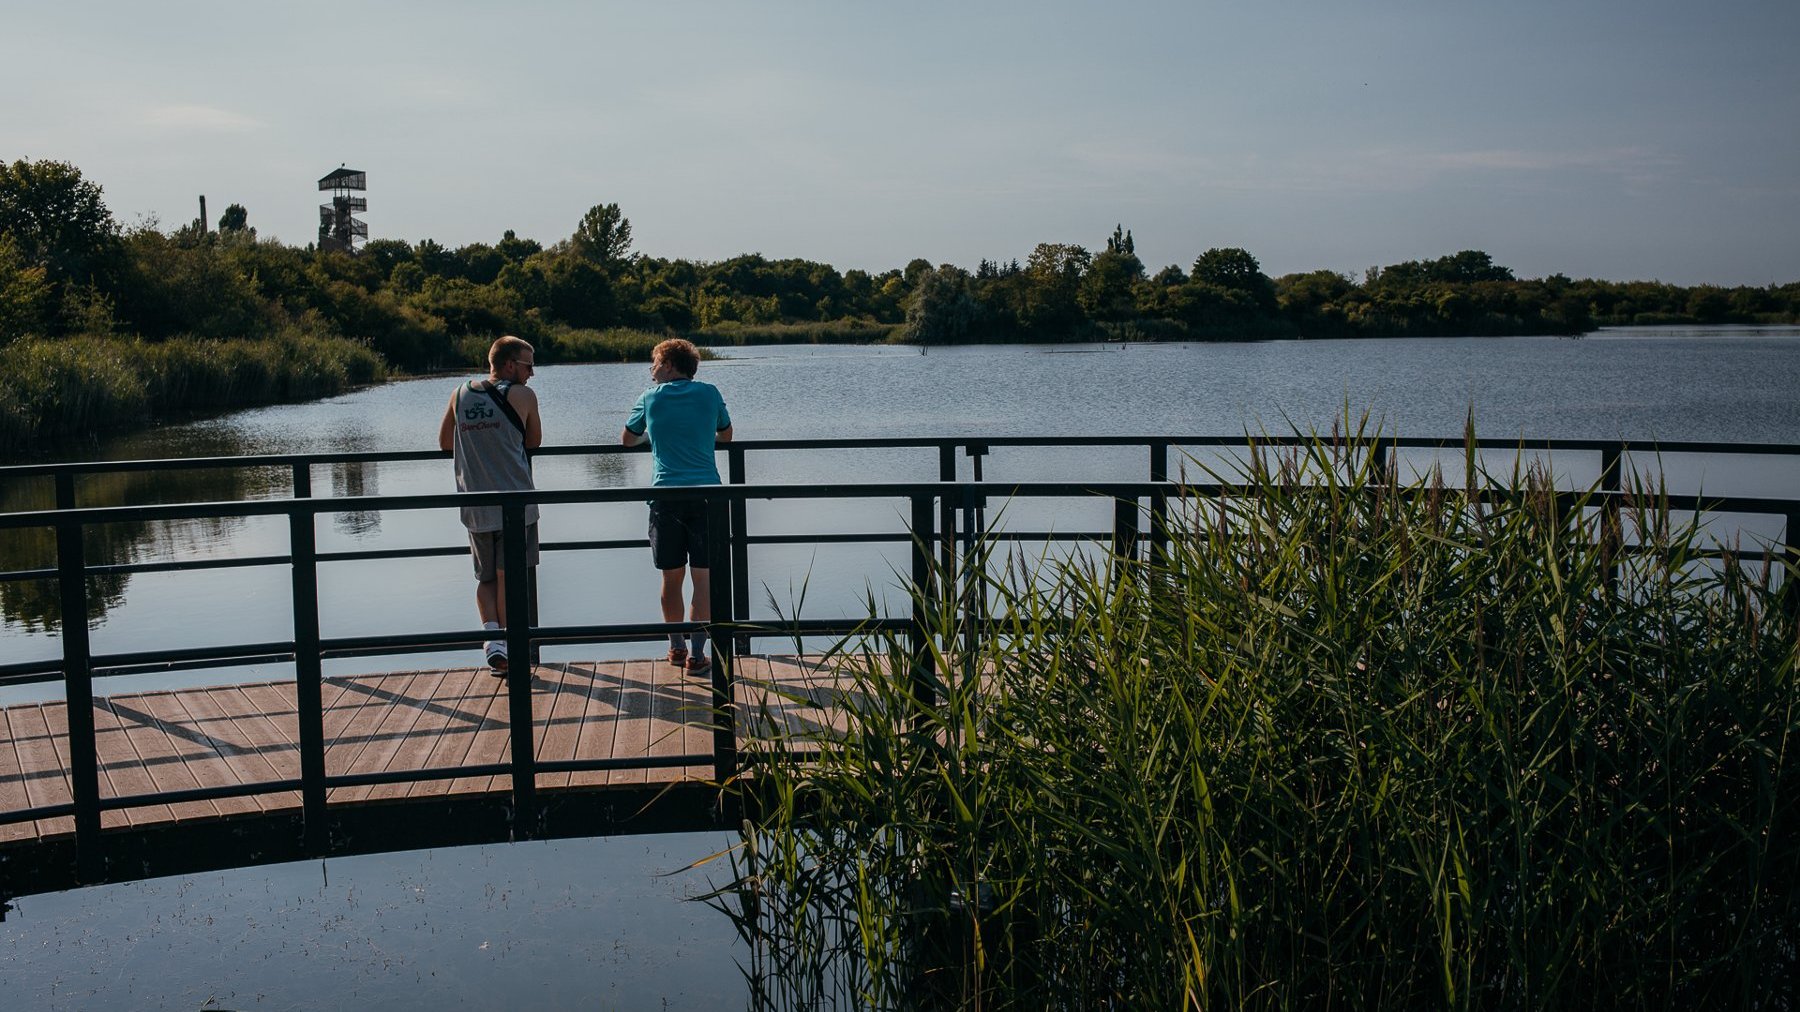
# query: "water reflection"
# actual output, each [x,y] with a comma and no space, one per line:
[355,478]
[609,470]
[35,604]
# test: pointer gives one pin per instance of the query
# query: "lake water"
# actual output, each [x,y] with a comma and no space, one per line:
[260,929]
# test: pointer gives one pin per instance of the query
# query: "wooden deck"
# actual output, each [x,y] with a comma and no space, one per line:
[243,734]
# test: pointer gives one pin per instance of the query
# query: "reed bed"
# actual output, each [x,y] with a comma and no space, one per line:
[844,331]
[1346,744]
[84,386]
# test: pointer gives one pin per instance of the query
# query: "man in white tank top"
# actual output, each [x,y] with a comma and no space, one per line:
[487,427]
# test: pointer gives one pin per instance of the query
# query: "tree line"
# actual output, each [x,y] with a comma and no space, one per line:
[67,267]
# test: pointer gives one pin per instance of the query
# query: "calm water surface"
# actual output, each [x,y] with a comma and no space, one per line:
[1732,384]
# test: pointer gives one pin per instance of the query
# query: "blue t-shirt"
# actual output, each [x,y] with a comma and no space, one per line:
[681,418]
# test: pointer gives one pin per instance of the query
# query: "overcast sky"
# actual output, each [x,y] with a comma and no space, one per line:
[1626,140]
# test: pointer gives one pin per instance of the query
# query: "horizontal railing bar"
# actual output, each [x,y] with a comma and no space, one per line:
[657,762]
[274,647]
[289,460]
[957,492]
[251,789]
[7,818]
[416,776]
[265,787]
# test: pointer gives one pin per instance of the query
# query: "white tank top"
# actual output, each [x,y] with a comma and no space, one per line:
[490,454]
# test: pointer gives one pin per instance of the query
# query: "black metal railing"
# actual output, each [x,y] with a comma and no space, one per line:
[946,524]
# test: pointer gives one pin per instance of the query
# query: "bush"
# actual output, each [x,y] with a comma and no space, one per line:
[832,332]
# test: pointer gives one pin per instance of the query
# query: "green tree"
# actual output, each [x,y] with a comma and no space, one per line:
[515,249]
[1106,289]
[1052,281]
[24,294]
[941,308]
[56,220]
[235,219]
[604,236]
[1236,270]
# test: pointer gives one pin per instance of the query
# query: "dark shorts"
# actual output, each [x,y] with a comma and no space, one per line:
[490,554]
[678,535]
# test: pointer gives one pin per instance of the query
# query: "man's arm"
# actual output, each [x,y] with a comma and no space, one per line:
[524,400]
[630,438]
[723,435]
[447,427]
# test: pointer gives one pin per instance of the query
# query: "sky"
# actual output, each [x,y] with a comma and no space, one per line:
[1642,140]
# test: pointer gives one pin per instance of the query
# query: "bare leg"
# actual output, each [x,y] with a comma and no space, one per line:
[671,592]
[490,601]
[701,609]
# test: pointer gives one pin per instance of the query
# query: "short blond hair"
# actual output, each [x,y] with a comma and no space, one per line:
[505,350]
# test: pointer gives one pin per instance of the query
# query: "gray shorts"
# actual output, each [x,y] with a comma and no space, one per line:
[490,554]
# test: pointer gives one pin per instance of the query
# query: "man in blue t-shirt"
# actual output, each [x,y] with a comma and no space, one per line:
[682,419]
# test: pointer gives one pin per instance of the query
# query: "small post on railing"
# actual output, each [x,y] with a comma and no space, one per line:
[518,673]
[1125,537]
[78,683]
[309,704]
[740,547]
[720,545]
[1159,502]
[1790,595]
[924,663]
[1612,527]
[946,526]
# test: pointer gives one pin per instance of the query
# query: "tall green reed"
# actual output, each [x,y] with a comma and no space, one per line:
[1347,743]
[83,386]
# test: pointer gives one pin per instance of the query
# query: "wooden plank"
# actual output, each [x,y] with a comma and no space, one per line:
[345,745]
[122,772]
[46,777]
[162,755]
[15,792]
[56,724]
[455,748]
[243,705]
[488,744]
[205,756]
[258,740]
[400,715]
[631,728]
[562,721]
[599,719]
[459,710]
[668,700]
[276,703]
[540,688]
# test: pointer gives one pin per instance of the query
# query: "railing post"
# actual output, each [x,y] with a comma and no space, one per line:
[1159,503]
[946,526]
[974,561]
[924,664]
[518,676]
[721,548]
[740,547]
[309,703]
[78,683]
[1790,595]
[1125,537]
[1612,527]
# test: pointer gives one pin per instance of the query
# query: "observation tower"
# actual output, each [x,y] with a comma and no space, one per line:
[339,228]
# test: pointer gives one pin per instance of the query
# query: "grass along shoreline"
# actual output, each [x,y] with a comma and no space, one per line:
[83,387]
